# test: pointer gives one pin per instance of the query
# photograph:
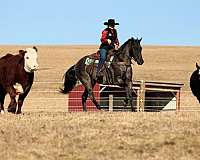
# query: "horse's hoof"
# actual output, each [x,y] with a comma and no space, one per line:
[98,106]
[134,110]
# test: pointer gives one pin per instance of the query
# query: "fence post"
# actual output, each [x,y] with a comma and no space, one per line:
[178,97]
[138,100]
[142,95]
[67,102]
[110,102]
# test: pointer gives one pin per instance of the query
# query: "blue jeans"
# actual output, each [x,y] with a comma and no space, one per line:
[102,59]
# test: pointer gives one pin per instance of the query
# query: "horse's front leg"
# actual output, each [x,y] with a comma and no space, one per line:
[129,87]
[129,95]
[13,104]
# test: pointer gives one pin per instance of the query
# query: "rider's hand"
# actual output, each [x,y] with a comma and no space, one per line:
[109,41]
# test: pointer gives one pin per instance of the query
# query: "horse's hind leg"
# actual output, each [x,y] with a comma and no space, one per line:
[84,98]
[91,95]
[88,91]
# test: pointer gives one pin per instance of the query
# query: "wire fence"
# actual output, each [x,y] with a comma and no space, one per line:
[51,97]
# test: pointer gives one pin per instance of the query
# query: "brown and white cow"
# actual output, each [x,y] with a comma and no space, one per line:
[16,77]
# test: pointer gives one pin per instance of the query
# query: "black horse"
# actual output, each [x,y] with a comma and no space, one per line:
[116,71]
[195,82]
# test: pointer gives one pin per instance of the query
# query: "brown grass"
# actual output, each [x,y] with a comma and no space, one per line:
[89,136]
[46,131]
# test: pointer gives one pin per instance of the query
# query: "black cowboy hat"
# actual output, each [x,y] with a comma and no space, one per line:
[111,22]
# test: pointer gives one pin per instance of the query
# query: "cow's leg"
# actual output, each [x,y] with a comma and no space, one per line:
[13,104]
[21,99]
[2,98]
[20,103]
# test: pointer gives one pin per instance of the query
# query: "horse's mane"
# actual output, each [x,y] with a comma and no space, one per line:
[123,46]
[125,43]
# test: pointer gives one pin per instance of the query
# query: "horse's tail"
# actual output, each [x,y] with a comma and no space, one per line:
[70,80]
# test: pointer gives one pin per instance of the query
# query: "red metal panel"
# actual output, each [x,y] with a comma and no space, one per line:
[75,99]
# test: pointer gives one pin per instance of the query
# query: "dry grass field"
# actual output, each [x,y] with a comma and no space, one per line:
[47,131]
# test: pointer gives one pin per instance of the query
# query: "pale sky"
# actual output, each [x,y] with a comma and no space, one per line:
[169,22]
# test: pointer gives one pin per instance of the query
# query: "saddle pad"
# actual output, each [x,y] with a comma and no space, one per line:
[89,60]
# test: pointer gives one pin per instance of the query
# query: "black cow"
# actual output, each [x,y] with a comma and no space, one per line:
[195,82]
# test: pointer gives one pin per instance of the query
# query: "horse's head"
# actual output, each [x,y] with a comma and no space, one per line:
[30,59]
[135,51]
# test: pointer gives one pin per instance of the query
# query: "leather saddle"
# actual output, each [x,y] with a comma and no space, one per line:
[110,53]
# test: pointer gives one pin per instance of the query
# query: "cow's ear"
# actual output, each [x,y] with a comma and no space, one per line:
[34,47]
[22,52]
[197,66]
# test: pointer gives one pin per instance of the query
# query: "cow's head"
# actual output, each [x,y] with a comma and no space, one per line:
[30,59]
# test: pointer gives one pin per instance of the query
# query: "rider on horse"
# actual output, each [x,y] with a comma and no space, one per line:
[109,41]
